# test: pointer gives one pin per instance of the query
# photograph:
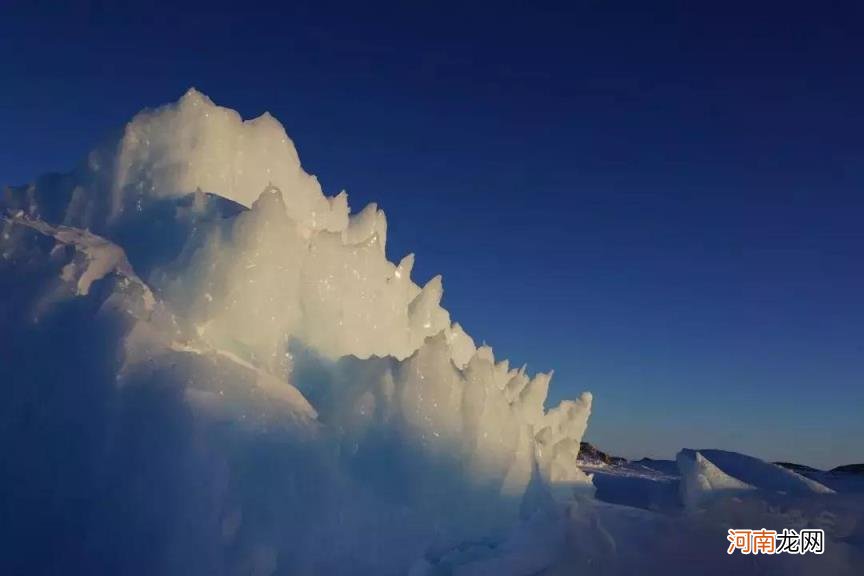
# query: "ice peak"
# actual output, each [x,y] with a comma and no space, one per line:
[194,97]
[273,310]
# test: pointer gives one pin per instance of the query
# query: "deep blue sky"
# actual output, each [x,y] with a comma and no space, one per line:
[661,201]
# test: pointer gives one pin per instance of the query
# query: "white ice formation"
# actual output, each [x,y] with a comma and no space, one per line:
[312,409]
[701,480]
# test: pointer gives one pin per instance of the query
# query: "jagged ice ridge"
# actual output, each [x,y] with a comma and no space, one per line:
[293,400]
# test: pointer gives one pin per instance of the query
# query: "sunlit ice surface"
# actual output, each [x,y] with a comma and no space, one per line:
[236,368]
[211,367]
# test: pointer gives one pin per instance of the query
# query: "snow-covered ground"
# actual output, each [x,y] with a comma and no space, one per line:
[211,367]
[689,504]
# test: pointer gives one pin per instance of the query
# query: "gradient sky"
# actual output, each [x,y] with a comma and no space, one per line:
[660,200]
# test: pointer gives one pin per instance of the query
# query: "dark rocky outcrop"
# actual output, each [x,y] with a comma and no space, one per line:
[588,454]
[849,469]
[797,467]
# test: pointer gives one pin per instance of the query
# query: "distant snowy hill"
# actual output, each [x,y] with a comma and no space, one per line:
[849,469]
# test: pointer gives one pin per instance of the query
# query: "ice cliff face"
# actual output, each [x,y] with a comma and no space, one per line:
[260,381]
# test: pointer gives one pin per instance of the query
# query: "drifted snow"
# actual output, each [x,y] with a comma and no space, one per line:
[711,474]
[701,480]
[763,475]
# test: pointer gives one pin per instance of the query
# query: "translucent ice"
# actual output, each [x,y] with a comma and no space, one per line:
[257,357]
